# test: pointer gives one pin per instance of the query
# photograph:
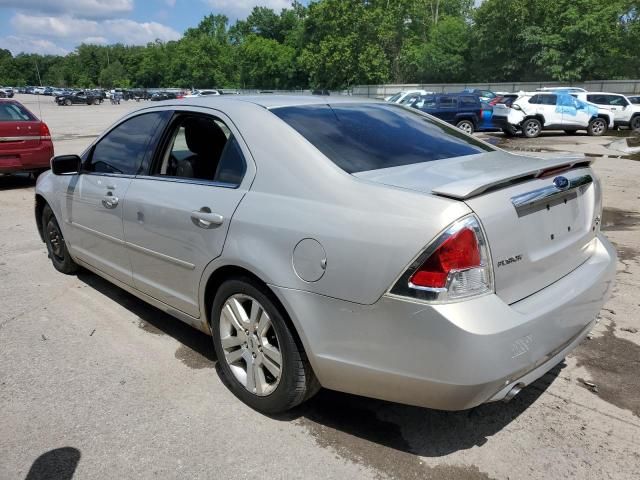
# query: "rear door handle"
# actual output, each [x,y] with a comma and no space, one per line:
[204,218]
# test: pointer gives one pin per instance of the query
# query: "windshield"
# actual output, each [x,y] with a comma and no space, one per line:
[361,137]
[395,97]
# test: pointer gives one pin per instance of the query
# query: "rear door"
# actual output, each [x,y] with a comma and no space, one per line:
[447,108]
[19,135]
[178,213]
[96,198]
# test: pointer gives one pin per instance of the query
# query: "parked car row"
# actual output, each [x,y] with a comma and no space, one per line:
[528,113]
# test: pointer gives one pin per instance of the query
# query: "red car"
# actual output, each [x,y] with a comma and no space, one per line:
[25,140]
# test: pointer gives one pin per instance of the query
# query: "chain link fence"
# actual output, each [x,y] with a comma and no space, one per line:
[626,87]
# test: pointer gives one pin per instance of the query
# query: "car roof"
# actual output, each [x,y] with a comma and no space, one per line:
[272,101]
[601,93]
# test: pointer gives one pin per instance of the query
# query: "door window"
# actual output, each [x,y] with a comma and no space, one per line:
[468,102]
[616,101]
[448,102]
[202,148]
[124,148]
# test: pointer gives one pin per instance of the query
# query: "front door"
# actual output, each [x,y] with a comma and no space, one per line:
[177,216]
[95,199]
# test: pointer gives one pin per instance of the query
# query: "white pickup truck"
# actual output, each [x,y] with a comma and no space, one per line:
[625,113]
[533,112]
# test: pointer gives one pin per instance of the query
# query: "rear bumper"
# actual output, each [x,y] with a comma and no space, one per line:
[501,122]
[26,158]
[453,356]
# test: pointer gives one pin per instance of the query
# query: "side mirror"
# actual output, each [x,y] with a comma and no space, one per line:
[515,106]
[66,164]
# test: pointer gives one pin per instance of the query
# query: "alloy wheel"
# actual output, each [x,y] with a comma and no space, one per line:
[532,129]
[598,127]
[250,344]
[55,239]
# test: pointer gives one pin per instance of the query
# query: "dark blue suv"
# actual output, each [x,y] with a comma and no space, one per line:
[463,110]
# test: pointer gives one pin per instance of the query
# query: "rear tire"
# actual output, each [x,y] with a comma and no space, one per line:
[466,126]
[242,361]
[509,132]
[597,127]
[635,123]
[56,245]
[531,128]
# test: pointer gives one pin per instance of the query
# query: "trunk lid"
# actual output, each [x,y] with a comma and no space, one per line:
[19,128]
[537,232]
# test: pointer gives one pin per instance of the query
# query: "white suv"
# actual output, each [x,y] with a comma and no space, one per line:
[625,113]
[533,112]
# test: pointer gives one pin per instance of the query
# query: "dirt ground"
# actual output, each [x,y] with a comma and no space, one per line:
[96,384]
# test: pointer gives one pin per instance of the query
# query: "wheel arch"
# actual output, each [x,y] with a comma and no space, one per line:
[537,116]
[226,272]
[39,208]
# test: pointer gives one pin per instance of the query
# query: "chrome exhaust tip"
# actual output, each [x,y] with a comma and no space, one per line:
[513,392]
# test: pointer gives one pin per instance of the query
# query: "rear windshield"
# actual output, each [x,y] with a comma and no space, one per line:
[12,112]
[358,138]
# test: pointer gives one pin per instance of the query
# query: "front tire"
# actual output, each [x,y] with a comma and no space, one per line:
[67,102]
[260,360]
[56,245]
[597,127]
[531,128]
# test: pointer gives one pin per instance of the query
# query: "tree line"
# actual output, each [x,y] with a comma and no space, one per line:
[335,44]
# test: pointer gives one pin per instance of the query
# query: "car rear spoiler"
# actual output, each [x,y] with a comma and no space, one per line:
[519,171]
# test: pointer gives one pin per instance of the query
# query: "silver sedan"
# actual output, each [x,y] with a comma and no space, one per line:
[355,245]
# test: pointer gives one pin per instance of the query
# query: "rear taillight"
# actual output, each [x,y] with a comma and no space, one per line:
[45,134]
[456,265]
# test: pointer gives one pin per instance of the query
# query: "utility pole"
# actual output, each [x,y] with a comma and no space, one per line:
[38,72]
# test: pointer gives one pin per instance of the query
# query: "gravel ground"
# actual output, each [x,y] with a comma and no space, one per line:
[96,384]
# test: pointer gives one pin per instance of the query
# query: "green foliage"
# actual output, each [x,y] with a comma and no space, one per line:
[339,43]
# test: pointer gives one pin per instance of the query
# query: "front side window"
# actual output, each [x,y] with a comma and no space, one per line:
[124,148]
[202,148]
[617,101]
[365,137]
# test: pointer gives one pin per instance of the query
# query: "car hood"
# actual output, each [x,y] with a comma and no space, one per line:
[465,177]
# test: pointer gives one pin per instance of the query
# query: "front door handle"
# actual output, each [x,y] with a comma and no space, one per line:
[204,218]
[110,201]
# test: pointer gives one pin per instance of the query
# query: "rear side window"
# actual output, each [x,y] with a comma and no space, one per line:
[12,112]
[468,102]
[448,102]
[122,150]
[544,99]
[365,137]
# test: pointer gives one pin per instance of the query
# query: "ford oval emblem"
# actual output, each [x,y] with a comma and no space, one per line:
[561,183]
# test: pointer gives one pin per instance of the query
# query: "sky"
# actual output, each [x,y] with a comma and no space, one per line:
[57,26]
